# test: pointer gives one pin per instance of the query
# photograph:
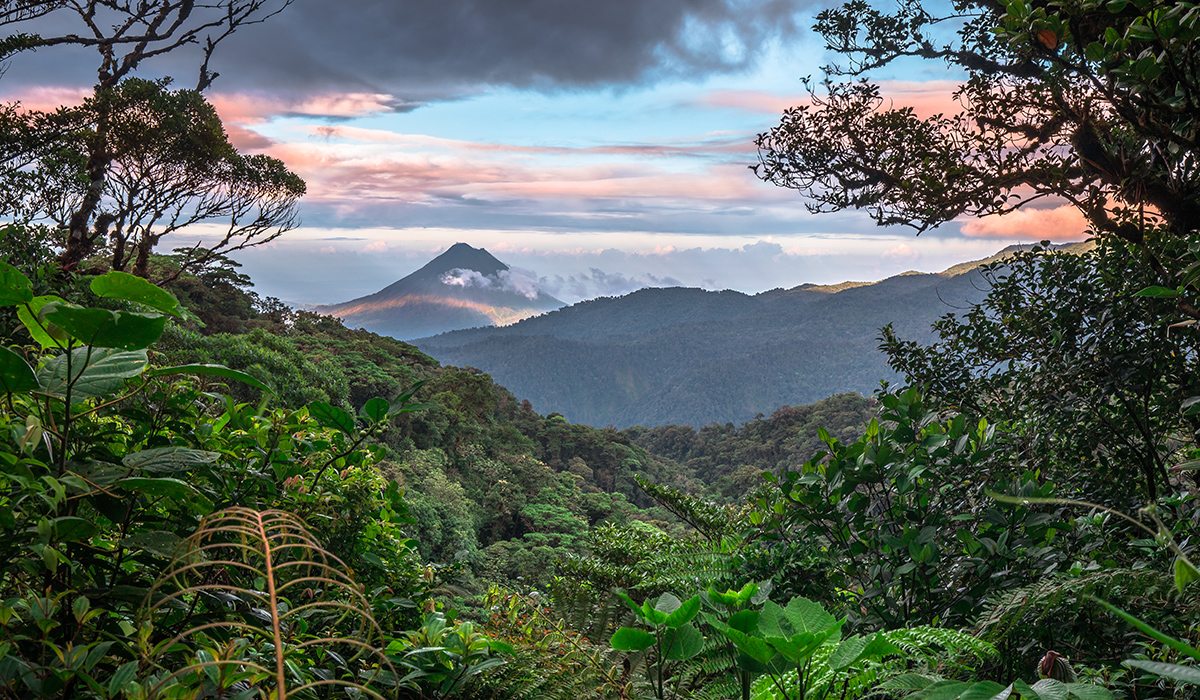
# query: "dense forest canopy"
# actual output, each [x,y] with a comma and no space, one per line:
[205,493]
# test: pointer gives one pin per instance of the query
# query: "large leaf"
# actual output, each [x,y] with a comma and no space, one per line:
[166,487]
[631,639]
[752,646]
[683,614]
[15,287]
[127,287]
[1174,672]
[206,370]
[331,416]
[160,460]
[15,373]
[375,409]
[107,329]
[94,372]
[682,643]
[28,315]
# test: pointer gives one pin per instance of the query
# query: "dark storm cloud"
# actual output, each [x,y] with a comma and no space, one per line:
[437,49]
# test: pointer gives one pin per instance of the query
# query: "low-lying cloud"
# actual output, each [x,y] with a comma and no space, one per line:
[520,282]
[598,283]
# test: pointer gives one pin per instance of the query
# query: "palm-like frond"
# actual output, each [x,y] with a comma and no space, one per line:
[254,602]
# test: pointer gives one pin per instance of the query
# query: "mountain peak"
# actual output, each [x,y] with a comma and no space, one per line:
[461,256]
[464,287]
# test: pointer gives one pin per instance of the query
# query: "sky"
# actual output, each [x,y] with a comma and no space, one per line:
[597,147]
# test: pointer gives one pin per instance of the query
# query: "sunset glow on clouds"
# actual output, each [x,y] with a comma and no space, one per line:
[628,145]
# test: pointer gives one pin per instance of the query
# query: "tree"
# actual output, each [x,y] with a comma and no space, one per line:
[170,167]
[1064,352]
[1089,102]
[124,33]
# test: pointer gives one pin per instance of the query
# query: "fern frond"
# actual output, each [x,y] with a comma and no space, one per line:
[254,601]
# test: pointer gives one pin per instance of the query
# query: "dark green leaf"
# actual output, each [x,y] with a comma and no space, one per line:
[15,287]
[682,643]
[94,372]
[127,287]
[168,459]
[375,409]
[165,487]
[1157,292]
[15,373]
[631,639]
[72,529]
[107,329]
[331,416]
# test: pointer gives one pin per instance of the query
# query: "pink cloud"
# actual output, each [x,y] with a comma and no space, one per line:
[1063,223]
[926,98]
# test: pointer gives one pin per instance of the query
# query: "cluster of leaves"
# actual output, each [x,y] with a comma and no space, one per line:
[114,469]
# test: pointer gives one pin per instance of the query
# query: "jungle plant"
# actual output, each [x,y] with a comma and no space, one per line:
[254,605]
[666,634]
[902,518]
[797,651]
[108,463]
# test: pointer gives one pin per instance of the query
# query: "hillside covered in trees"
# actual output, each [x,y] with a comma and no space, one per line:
[691,356]
[207,494]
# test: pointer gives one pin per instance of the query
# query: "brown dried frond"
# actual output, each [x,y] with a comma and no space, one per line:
[255,601]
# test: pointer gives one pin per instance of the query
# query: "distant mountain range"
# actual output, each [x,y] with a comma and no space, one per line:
[463,287]
[679,355]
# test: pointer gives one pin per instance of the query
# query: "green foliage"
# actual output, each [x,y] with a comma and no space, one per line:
[901,516]
[107,466]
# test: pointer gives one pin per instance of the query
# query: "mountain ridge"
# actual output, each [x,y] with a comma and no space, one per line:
[693,356]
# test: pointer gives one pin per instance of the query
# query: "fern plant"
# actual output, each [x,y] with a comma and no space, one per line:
[255,604]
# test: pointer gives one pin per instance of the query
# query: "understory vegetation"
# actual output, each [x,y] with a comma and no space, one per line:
[207,494]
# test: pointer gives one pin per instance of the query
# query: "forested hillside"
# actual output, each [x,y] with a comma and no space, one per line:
[690,356]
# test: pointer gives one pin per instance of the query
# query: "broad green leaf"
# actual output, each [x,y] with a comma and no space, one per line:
[168,459]
[1050,689]
[631,639]
[127,287]
[206,370]
[15,373]
[28,315]
[684,613]
[165,487]
[375,409]
[1157,292]
[72,529]
[754,647]
[331,416]
[94,372]
[1185,573]
[682,643]
[848,652]
[1174,672]
[744,621]
[667,603]
[808,616]
[121,678]
[15,287]
[1087,691]
[107,329]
